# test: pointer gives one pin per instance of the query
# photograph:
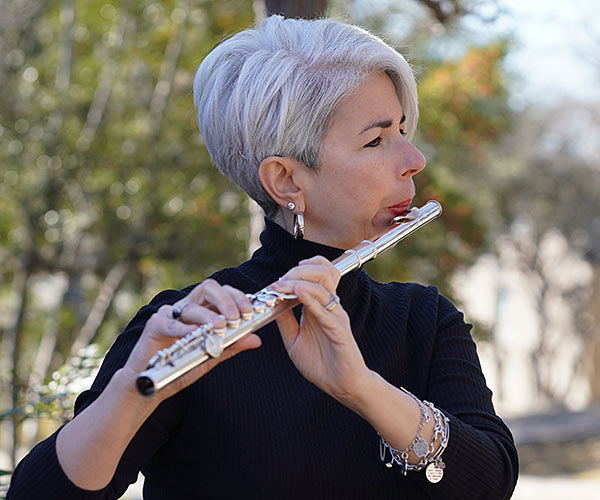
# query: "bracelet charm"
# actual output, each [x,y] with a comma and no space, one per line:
[435,472]
[421,448]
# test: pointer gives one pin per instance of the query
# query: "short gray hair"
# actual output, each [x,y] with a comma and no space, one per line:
[269,90]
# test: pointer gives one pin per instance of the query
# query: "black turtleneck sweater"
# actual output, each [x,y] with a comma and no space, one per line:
[255,428]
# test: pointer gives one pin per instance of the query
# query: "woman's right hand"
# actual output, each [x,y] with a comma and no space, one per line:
[208,302]
[87,457]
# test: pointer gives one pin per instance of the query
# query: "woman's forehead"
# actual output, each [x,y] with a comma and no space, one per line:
[373,104]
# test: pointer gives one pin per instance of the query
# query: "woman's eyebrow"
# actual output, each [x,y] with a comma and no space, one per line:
[377,124]
[381,124]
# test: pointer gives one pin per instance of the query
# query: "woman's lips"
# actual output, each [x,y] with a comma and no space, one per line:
[400,208]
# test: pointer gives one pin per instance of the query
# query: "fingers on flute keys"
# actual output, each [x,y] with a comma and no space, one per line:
[316,277]
[316,269]
[211,302]
[161,323]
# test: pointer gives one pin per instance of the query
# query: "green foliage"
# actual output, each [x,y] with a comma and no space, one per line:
[4,482]
[55,398]
[105,185]
[87,182]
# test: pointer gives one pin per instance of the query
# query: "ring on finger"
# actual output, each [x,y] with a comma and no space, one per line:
[335,300]
[177,310]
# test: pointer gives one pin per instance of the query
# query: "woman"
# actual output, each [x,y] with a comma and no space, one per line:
[312,119]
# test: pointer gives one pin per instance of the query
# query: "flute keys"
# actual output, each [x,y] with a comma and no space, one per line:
[259,307]
[219,332]
[213,346]
[269,300]
[247,316]
[234,323]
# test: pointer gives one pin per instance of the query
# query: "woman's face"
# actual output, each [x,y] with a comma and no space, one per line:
[365,171]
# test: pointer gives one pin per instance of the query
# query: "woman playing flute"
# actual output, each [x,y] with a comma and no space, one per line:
[368,390]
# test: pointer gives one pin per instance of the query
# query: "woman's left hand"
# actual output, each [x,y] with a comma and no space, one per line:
[322,346]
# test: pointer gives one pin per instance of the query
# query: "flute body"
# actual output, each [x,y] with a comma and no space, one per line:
[207,342]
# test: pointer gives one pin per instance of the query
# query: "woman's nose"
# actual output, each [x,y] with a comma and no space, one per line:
[411,159]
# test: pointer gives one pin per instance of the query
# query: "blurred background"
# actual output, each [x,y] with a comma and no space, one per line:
[107,196]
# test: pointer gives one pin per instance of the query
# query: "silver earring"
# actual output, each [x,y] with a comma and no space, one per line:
[298,226]
[298,221]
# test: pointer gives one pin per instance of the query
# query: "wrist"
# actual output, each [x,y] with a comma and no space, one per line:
[360,398]
[124,381]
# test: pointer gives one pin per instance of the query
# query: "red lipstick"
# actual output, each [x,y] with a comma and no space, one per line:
[401,208]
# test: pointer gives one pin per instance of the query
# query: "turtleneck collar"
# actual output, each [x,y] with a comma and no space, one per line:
[280,251]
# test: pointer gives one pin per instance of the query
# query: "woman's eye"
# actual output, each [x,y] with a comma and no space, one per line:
[402,132]
[374,143]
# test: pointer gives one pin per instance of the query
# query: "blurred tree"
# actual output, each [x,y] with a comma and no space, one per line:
[546,193]
[590,51]
[289,8]
[447,11]
[103,172]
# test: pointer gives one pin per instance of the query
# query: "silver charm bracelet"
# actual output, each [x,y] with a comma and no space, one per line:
[429,456]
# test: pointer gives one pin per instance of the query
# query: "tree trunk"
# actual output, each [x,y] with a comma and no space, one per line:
[101,306]
[39,369]
[594,345]
[10,354]
[164,84]
[309,9]
[63,71]
[103,90]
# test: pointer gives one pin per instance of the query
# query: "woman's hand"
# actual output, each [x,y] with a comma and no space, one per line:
[88,458]
[209,302]
[322,346]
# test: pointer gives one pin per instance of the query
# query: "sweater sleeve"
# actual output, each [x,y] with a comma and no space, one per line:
[481,457]
[39,474]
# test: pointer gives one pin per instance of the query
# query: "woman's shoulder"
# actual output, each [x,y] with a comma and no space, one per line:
[416,296]
[406,290]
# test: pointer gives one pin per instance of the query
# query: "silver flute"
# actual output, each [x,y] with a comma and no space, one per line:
[207,342]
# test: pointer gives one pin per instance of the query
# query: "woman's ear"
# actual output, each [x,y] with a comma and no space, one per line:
[278,176]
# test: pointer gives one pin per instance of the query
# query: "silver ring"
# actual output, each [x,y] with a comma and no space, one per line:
[335,300]
[177,310]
